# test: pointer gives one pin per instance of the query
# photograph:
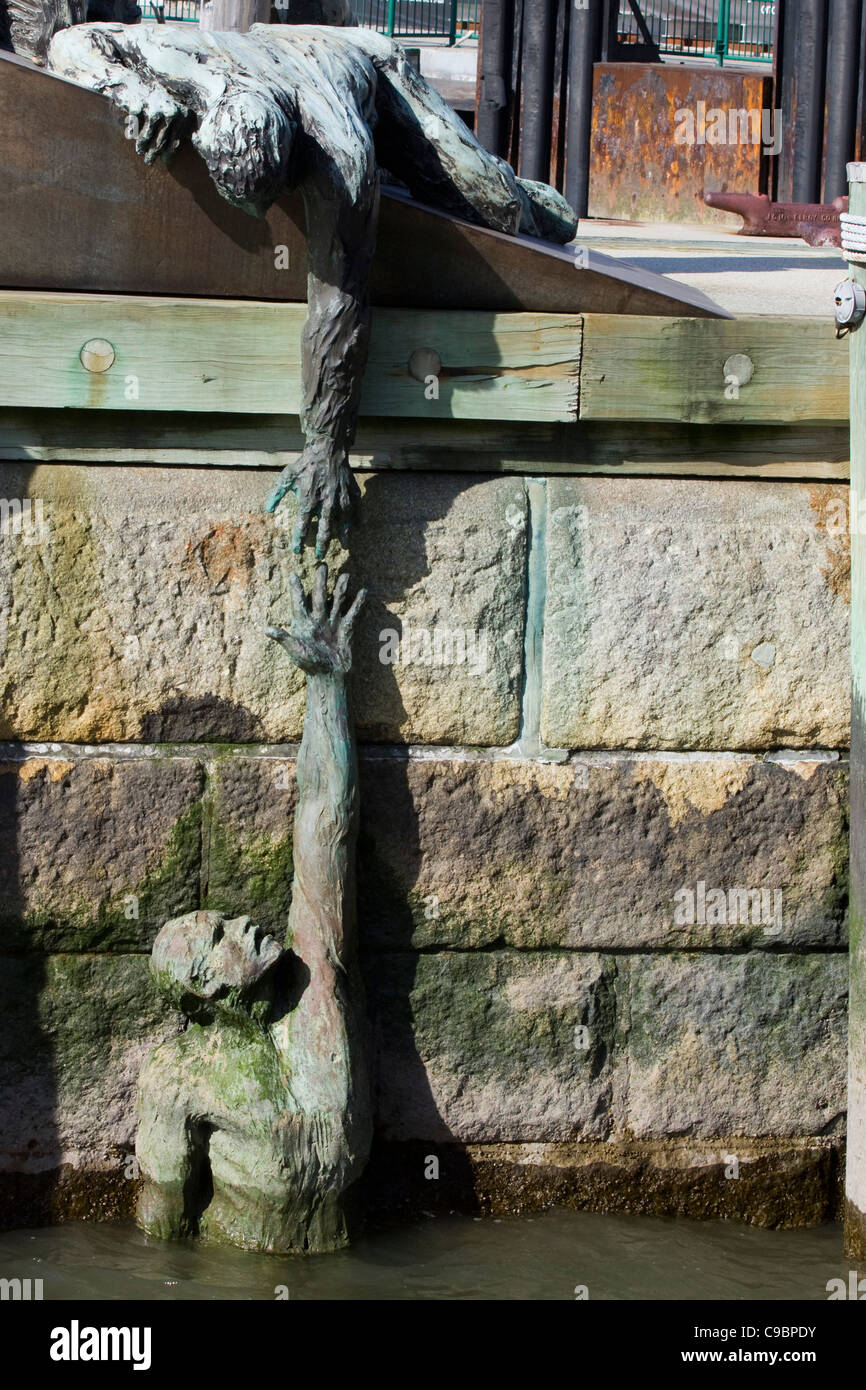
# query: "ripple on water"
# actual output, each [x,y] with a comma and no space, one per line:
[541,1257]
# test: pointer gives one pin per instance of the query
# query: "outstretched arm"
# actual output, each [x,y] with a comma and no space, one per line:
[341,238]
[322,915]
[104,57]
[319,643]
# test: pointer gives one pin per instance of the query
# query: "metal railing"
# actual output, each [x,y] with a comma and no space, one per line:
[448,19]
[416,19]
[720,29]
[186,10]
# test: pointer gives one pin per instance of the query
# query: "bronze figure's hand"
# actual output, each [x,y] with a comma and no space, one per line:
[324,485]
[319,641]
[159,126]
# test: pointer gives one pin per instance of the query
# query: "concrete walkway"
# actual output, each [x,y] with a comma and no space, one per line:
[745,275]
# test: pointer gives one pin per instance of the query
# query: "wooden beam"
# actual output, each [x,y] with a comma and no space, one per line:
[807,452]
[673,369]
[855,1182]
[211,356]
[243,357]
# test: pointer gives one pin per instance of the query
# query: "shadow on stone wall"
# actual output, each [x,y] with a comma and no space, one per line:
[185,720]
[401,1179]
[28,1083]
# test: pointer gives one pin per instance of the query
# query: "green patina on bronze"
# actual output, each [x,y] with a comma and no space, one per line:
[255,1122]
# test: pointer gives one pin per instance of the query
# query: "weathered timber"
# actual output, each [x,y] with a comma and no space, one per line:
[225,355]
[235,356]
[855,1186]
[75,197]
[818,452]
[675,369]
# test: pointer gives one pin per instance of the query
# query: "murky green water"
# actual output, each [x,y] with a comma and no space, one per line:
[545,1257]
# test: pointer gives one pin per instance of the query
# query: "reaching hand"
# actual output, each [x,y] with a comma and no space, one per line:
[324,485]
[159,126]
[317,641]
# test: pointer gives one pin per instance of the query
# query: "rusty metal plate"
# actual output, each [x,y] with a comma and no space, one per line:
[638,168]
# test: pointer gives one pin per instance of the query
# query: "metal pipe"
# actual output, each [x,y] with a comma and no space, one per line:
[808,81]
[389,23]
[494,60]
[775,171]
[843,75]
[786,97]
[452,25]
[582,43]
[861,89]
[537,88]
[609,31]
[235,16]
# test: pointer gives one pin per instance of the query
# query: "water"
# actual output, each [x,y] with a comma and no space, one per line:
[541,1257]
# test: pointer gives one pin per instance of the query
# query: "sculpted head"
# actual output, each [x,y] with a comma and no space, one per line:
[247,141]
[208,963]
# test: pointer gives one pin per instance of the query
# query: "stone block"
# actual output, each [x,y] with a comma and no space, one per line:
[137,610]
[696,614]
[248,839]
[749,1045]
[74,1031]
[98,852]
[493,1046]
[605,852]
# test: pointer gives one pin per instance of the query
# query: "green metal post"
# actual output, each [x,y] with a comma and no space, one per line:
[452,28]
[392,7]
[722,31]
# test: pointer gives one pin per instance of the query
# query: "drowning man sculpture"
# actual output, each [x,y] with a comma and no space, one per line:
[321,109]
[255,1123]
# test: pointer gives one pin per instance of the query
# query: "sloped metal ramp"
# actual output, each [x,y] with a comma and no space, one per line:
[80,211]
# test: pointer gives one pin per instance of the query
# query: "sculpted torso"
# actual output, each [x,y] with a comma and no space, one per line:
[322,109]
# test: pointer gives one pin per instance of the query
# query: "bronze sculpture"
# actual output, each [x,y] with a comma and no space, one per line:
[26,26]
[322,109]
[255,1122]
